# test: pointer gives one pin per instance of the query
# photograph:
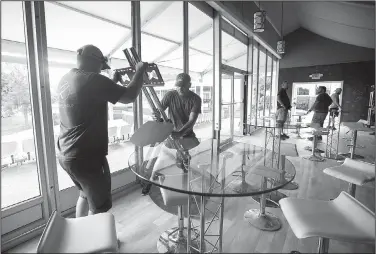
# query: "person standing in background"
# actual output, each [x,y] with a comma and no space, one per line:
[334,108]
[320,107]
[283,107]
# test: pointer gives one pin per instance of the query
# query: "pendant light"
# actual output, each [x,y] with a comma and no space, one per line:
[281,44]
[259,20]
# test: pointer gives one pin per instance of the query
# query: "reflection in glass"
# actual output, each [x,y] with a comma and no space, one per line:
[268,87]
[254,87]
[238,103]
[19,170]
[261,84]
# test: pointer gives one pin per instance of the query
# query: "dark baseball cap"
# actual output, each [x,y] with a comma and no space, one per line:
[94,52]
[182,78]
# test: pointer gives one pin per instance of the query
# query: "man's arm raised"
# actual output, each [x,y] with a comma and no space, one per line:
[133,89]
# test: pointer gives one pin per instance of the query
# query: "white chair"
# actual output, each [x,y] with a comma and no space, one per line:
[354,172]
[342,219]
[90,234]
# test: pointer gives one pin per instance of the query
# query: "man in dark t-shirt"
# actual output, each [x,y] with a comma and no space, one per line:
[283,106]
[184,106]
[83,140]
[321,108]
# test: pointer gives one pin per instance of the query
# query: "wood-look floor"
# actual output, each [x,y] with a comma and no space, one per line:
[140,221]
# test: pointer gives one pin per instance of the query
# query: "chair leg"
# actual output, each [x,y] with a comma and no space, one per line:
[351,190]
[323,245]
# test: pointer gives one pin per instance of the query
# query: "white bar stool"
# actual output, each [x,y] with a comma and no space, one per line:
[90,234]
[354,172]
[342,219]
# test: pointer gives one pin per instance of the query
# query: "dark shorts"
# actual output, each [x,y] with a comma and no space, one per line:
[334,112]
[319,118]
[93,178]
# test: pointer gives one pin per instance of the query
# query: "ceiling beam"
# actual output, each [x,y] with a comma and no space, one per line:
[90,15]
[236,56]
[152,15]
[194,35]
[112,22]
[124,26]
[57,57]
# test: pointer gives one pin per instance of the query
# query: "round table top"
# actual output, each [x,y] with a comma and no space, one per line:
[163,167]
[272,123]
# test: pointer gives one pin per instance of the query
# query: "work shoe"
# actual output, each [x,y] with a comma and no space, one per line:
[284,135]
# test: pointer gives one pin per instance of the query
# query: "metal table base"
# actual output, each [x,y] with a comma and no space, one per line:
[266,221]
[171,242]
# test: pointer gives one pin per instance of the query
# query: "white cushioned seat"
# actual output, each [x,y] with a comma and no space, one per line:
[352,171]
[358,126]
[90,234]
[342,219]
[173,198]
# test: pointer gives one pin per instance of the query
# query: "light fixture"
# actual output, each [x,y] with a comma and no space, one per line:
[281,44]
[259,20]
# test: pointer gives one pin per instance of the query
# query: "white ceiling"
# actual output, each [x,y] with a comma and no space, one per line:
[347,22]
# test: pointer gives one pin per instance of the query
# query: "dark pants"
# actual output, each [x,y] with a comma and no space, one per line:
[93,178]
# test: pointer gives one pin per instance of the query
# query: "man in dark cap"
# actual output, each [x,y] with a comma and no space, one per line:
[283,106]
[184,106]
[83,140]
[321,108]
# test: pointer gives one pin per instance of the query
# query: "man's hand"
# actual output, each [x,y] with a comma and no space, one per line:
[141,66]
[156,116]
[116,77]
[176,135]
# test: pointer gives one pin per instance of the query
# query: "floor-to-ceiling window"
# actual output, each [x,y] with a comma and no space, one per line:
[80,20]
[263,86]
[24,198]
[70,25]
[200,30]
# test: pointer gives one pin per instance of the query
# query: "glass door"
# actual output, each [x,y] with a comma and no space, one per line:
[24,205]
[227,107]
[232,103]
[238,104]
[120,116]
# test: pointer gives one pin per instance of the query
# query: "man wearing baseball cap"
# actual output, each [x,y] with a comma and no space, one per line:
[184,106]
[83,140]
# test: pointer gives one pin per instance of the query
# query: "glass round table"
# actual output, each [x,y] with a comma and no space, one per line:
[207,177]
